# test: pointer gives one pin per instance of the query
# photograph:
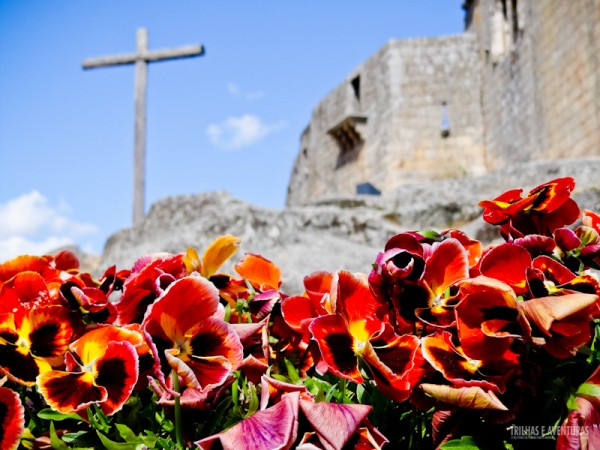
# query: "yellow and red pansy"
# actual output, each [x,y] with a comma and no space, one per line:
[447,265]
[102,369]
[186,325]
[355,333]
[415,281]
[462,370]
[12,419]
[544,209]
[558,279]
[33,341]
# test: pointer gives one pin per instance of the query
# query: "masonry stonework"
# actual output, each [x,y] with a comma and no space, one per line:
[521,84]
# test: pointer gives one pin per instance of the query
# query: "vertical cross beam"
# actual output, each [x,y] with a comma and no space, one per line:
[141,58]
[139,151]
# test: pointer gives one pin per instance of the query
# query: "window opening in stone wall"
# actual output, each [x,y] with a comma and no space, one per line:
[355,82]
[445,121]
[348,139]
[515,20]
[367,189]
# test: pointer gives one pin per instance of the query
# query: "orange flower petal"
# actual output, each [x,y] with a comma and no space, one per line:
[223,248]
[448,264]
[259,271]
[507,263]
[487,317]
[355,301]
[94,343]
[185,303]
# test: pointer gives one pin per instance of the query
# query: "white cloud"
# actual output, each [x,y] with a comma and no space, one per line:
[234,90]
[239,132]
[30,224]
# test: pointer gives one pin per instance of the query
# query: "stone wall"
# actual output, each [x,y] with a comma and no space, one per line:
[540,63]
[409,113]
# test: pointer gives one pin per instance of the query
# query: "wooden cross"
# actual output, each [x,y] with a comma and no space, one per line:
[141,59]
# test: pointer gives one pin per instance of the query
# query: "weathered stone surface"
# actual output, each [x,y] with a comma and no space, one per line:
[336,233]
[299,240]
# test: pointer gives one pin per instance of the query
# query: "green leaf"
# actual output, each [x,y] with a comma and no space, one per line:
[360,393]
[227,317]
[57,443]
[73,438]
[280,377]
[235,391]
[464,443]
[254,403]
[292,371]
[112,445]
[430,234]
[126,433]
[50,414]
[589,389]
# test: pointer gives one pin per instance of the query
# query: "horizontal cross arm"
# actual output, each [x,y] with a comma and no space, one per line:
[187,51]
[104,61]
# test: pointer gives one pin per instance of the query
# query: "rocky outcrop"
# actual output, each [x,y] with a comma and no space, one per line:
[299,240]
[336,233]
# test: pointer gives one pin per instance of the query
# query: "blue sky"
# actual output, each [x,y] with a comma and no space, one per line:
[230,120]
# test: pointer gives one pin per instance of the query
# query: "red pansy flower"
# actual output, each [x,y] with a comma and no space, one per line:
[463,370]
[544,209]
[354,332]
[202,348]
[33,341]
[414,279]
[488,318]
[101,369]
[149,278]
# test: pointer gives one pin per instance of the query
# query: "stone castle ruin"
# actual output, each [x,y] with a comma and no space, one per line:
[520,85]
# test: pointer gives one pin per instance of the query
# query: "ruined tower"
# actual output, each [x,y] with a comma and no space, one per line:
[522,83]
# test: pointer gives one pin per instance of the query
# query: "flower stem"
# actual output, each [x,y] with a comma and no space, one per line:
[178,425]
